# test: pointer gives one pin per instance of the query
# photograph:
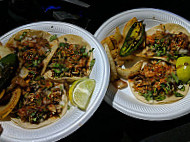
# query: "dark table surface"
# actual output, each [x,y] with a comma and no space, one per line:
[107,124]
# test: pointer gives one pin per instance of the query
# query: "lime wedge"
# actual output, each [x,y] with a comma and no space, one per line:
[83,92]
[183,68]
[72,88]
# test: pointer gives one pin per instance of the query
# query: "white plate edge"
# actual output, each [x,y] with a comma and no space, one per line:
[119,107]
[95,104]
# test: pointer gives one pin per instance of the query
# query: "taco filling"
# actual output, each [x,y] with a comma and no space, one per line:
[169,45]
[70,60]
[32,47]
[32,52]
[157,80]
[40,101]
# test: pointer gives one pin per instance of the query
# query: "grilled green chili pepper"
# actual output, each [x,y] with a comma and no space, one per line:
[134,39]
[8,67]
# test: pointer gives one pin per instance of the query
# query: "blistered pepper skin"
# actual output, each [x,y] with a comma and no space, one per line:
[134,39]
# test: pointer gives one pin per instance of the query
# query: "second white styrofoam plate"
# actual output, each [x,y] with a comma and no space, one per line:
[123,100]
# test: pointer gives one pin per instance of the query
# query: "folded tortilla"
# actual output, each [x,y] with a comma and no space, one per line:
[71,39]
[32,33]
[169,28]
[167,100]
[27,125]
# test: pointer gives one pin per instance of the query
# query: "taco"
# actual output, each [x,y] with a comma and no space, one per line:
[42,103]
[167,42]
[32,47]
[156,83]
[30,99]
[72,60]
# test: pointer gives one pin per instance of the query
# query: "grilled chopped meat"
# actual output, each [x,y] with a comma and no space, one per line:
[156,81]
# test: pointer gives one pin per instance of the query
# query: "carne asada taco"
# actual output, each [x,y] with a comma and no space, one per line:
[157,83]
[42,103]
[72,60]
[167,42]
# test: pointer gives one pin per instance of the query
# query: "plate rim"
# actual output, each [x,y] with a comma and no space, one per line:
[135,10]
[87,115]
[118,106]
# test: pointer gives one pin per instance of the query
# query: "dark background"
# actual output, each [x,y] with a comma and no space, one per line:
[107,124]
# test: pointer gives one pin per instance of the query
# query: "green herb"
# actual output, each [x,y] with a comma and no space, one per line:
[57,71]
[177,94]
[175,77]
[76,52]
[68,107]
[32,72]
[160,97]
[61,87]
[53,37]
[34,119]
[35,63]
[85,54]
[92,63]
[26,95]
[168,87]
[155,91]
[56,65]
[65,69]
[48,95]
[181,87]
[33,113]
[82,50]
[148,96]
[62,44]
[91,50]
[164,50]
[158,61]
[158,54]
[21,37]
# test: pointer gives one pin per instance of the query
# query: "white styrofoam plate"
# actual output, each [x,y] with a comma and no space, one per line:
[74,118]
[123,100]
